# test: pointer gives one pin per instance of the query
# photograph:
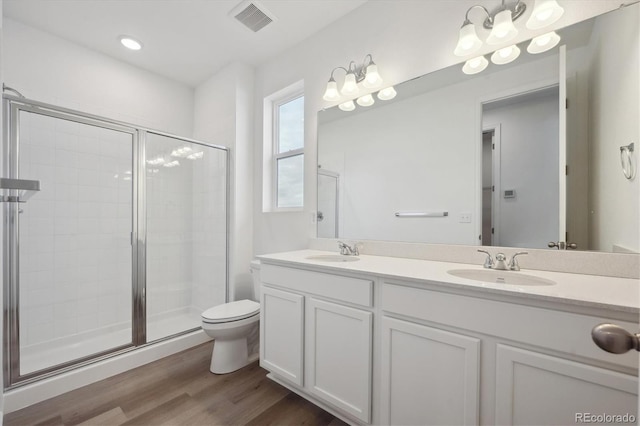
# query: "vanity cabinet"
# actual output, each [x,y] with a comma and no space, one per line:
[339,354]
[281,331]
[388,349]
[535,388]
[429,376]
[538,366]
[316,334]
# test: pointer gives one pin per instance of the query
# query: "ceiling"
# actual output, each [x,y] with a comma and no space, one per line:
[184,40]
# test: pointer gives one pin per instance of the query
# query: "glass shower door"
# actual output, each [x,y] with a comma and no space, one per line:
[186,232]
[72,262]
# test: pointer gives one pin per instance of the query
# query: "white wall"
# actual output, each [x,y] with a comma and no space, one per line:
[50,69]
[614,92]
[224,116]
[406,38]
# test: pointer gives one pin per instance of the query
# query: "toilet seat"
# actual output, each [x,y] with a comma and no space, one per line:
[233,311]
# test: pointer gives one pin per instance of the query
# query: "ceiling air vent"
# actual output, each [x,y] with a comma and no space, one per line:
[252,15]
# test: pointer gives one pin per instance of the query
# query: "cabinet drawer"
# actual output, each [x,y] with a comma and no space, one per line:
[556,330]
[347,289]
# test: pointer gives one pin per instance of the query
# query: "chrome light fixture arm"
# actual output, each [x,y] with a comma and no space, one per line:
[466,16]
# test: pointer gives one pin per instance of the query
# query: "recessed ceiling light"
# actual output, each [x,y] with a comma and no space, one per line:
[130,42]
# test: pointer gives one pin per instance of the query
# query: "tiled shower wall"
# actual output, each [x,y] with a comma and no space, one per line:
[209,230]
[169,249]
[75,251]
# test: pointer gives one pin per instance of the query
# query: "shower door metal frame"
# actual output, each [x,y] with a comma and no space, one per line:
[12,105]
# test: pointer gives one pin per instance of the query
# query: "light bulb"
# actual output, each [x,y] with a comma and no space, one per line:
[475,65]
[130,42]
[543,43]
[347,106]
[505,55]
[366,100]
[503,28]
[331,93]
[545,12]
[372,79]
[350,87]
[468,41]
[387,93]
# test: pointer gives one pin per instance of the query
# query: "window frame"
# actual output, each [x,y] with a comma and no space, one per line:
[288,95]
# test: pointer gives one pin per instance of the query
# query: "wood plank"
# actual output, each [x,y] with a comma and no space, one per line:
[177,390]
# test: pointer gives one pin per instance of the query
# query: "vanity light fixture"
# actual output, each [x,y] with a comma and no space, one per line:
[181,152]
[172,164]
[366,100]
[545,12]
[347,106]
[367,74]
[505,55]
[130,42]
[500,22]
[475,65]
[195,155]
[543,43]
[387,93]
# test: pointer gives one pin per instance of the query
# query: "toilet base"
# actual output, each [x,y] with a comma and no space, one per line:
[229,355]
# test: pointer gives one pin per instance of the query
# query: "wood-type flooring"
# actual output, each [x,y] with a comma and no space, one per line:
[177,390]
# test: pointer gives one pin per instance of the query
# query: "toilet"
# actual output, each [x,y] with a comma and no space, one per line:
[229,325]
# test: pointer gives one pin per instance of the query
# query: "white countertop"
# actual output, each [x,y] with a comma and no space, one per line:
[576,289]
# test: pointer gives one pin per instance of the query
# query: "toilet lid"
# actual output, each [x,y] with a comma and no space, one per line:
[232,311]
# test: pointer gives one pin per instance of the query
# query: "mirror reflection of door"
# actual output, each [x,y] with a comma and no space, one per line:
[523,171]
[488,149]
[328,203]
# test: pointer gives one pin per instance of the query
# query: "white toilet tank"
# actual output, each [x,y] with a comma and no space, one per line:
[255,274]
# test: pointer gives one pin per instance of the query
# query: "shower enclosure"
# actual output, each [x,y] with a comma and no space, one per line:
[125,242]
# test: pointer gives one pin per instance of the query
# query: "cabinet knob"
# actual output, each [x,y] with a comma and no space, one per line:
[615,339]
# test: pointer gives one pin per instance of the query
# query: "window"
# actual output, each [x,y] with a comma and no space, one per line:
[289,152]
[284,150]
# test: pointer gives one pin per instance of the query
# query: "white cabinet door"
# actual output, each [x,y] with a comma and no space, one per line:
[339,344]
[281,331]
[429,376]
[533,388]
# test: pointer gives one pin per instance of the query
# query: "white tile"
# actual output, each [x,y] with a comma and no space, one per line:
[66,159]
[64,327]
[66,141]
[67,309]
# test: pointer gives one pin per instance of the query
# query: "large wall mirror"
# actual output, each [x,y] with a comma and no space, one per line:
[520,155]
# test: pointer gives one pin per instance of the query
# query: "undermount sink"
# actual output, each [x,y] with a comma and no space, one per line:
[333,258]
[500,277]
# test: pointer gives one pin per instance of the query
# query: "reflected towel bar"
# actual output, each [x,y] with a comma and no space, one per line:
[422,214]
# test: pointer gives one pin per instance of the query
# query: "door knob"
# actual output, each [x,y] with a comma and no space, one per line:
[615,339]
[561,245]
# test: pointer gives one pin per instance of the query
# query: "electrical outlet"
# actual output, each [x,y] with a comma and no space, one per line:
[464,218]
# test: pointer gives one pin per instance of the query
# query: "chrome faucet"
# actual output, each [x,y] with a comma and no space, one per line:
[488,262]
[347,250]
[500,262]
[513,263]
